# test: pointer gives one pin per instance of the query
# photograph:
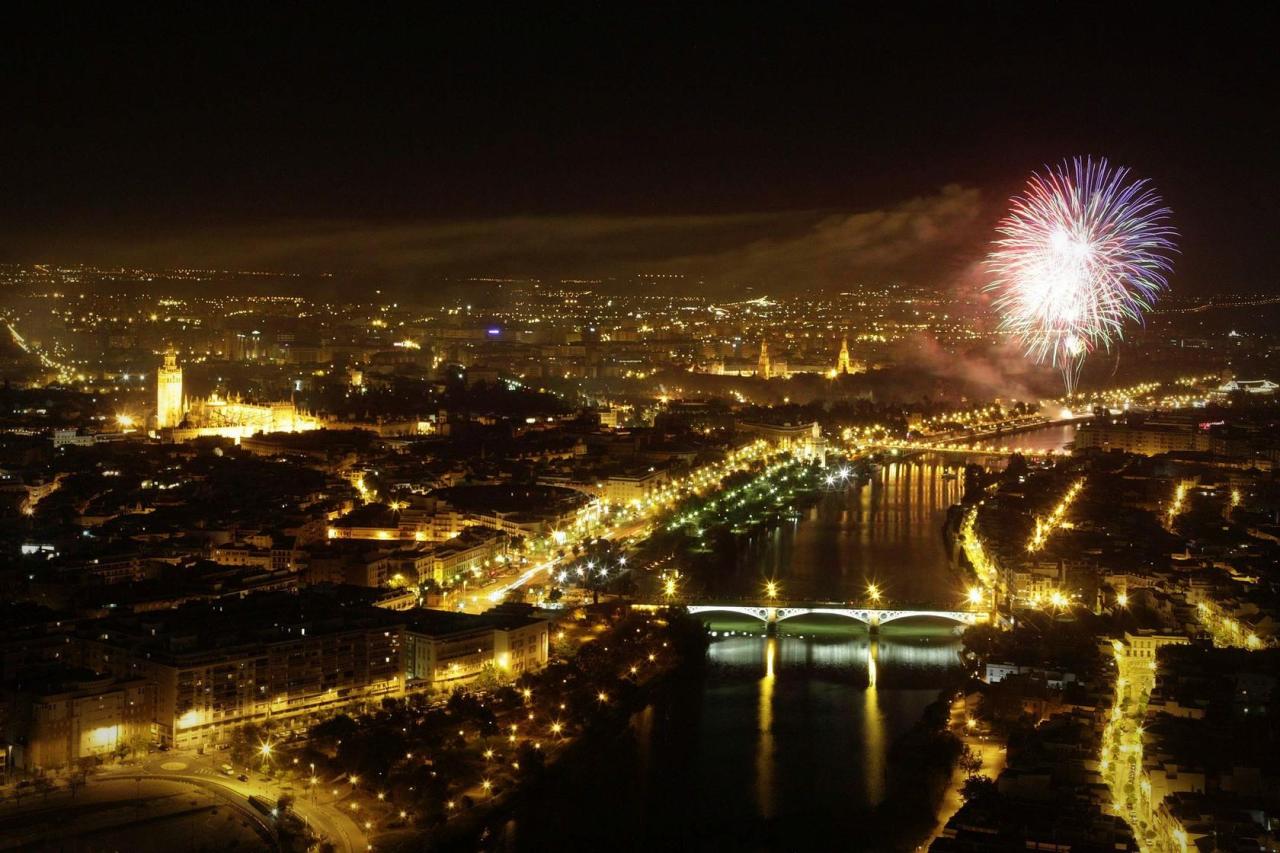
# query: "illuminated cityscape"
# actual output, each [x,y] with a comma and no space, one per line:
[646,430]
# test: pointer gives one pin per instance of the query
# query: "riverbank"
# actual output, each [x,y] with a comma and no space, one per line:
[989,747]
[924,762]
[476,814]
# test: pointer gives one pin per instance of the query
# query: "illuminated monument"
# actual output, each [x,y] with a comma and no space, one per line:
[842,362]
[763,368]
[233,418]
[169,408]
[215,415]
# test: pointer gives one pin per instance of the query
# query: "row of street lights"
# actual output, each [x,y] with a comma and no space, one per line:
[772,590]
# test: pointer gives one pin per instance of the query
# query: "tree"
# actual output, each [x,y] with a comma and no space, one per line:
[598,566]
[246,743]
[970,762]
[76,781]
[978,788]
[1016,468]
[532,761]
[975,477]
[489,678]
[326,736]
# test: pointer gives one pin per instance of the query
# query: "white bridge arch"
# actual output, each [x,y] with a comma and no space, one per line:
[771,614]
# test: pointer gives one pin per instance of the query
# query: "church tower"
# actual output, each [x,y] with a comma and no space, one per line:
[169,393]
[762,369]
[843,365]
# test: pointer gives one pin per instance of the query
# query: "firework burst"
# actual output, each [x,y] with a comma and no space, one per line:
[1082,252]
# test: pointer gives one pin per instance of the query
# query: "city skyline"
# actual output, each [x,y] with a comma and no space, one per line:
[639,428]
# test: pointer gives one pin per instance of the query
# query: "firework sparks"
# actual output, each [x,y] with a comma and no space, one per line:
[1083,251]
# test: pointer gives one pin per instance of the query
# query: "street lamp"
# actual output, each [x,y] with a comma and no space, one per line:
[873,592]
[771,589]
[975,595]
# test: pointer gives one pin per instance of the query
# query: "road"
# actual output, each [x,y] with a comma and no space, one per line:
[990,748]
[132,811]
[1122,748]
[323,814]
[482,598]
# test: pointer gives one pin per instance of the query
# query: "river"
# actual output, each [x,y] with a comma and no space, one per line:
[784,742]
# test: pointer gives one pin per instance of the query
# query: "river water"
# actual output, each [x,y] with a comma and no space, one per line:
[784,743]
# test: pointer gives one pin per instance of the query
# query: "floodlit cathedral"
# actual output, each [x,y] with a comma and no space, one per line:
[215,415]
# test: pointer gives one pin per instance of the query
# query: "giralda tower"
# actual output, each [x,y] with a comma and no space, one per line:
[169,393]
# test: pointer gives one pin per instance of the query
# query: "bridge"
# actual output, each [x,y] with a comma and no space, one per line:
[983,442]
[772,614]
[966,447]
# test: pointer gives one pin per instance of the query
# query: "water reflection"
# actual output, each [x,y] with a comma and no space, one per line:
[1048,438]
[901,659]
[873,728]
[764,747]
[887,530]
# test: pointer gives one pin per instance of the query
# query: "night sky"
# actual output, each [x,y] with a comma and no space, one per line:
[727,144]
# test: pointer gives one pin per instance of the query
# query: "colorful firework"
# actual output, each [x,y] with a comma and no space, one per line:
[1083,251]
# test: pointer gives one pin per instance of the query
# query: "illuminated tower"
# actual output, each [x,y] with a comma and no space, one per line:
[843,365]
[762,369]
[169,393]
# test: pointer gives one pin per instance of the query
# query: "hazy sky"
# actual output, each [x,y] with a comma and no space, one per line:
[770,146]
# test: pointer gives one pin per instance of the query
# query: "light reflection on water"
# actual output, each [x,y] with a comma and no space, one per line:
[873,728]
[764,747]
[855,671]
[887,531]
[901,656]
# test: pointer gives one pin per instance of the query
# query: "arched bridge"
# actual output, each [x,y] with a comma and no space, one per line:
[771,614]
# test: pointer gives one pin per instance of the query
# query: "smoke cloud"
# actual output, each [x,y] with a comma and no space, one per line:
[918,240]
